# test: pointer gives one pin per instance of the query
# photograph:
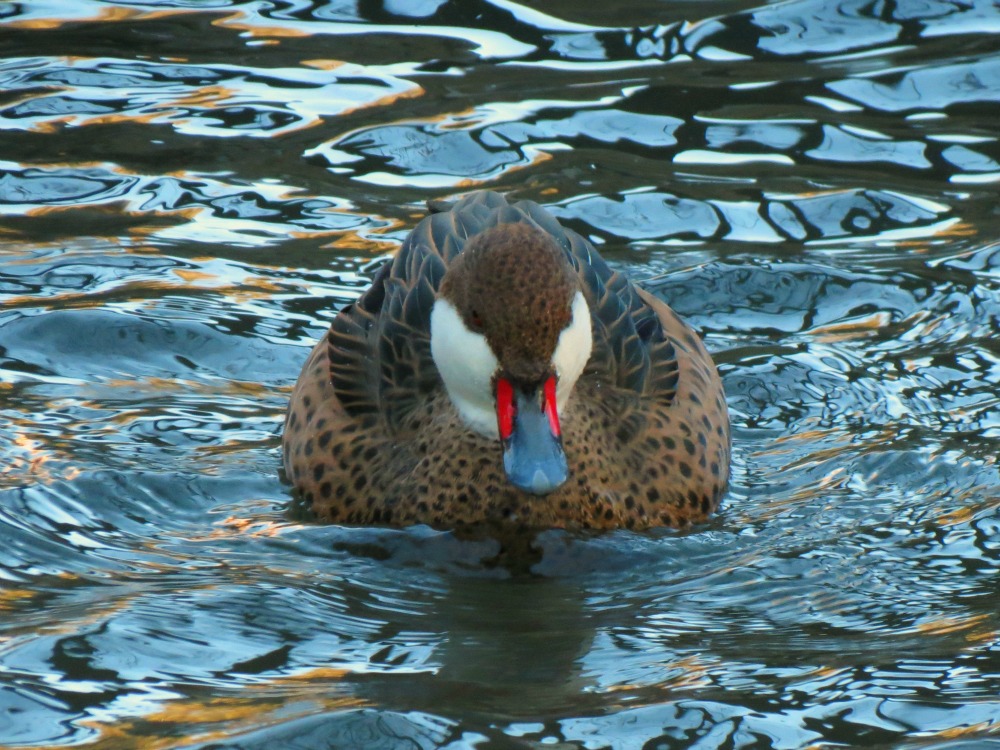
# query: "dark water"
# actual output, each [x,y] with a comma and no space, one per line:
[188,192]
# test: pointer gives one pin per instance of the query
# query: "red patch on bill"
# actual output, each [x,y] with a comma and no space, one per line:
[550,406]
[506,410]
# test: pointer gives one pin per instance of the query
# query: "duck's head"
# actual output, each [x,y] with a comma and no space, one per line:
[510,335]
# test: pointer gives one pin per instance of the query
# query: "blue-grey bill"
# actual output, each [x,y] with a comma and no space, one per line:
[533,457]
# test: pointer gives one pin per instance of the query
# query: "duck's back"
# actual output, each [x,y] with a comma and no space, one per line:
[372,436]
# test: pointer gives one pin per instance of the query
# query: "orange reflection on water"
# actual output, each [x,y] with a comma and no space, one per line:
[241,22]
[355,242]
[258,705]
[942,625]
[854,328]
[387,100]
[321,64]
[13,599]
[104,15]
[30,461]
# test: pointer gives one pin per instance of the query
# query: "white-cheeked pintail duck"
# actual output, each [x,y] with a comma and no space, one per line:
[498,373]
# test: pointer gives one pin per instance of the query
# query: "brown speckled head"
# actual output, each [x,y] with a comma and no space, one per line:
[514,284]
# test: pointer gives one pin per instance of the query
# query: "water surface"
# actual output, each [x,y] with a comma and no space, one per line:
[190,190]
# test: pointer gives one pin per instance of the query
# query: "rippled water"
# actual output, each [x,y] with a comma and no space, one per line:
[188,192]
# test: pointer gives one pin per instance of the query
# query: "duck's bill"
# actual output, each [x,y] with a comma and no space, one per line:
[529,430]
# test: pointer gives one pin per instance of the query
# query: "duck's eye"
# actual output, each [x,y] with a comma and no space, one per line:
[476,321]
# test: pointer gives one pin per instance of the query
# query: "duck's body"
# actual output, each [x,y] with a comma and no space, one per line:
[386,426]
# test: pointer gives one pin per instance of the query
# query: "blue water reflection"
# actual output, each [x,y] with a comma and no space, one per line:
[190,190]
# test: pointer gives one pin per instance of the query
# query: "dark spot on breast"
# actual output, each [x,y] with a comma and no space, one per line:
[689,446]
[324,439]
[326,489]
[318,471]
[685,469]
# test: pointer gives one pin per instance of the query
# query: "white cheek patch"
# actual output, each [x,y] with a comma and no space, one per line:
[573,349]
[467,364]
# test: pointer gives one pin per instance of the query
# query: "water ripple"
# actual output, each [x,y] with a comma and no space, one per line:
[191,190]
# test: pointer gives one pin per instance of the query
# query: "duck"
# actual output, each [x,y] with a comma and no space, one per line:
[498,373]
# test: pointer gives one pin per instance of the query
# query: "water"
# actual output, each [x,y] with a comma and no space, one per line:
[188,192]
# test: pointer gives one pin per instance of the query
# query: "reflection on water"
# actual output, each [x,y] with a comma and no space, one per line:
[188,193]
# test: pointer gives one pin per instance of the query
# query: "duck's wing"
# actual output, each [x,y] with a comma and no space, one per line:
[631,349]
[379,347]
